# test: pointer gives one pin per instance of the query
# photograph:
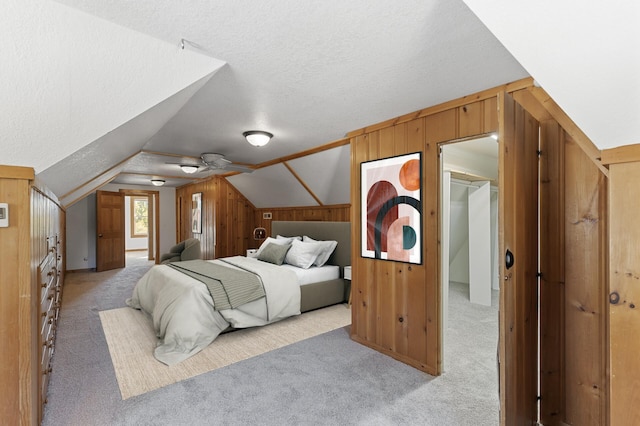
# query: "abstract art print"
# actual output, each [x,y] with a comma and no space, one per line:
[391,205]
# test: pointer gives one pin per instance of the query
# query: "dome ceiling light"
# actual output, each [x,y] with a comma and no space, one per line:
[257,137]
[189,169]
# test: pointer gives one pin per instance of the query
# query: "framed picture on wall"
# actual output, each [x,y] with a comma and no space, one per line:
[391,208]
[196,213]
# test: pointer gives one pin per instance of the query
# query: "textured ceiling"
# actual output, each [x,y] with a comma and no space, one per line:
[87,84]
[309,72]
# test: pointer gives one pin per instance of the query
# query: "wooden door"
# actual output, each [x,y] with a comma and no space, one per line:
[110,252]
[518,224]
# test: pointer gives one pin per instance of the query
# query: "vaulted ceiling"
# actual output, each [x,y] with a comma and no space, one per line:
[114,90]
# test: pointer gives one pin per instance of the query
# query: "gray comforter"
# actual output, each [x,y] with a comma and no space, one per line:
[183,313]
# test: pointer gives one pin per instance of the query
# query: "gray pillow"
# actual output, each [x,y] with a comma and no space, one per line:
[274,253]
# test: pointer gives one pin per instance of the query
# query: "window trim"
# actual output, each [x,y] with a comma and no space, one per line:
[132,200]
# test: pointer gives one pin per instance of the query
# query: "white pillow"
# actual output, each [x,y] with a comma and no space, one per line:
[327,248]
[302,254]
[279,241]
[297,237]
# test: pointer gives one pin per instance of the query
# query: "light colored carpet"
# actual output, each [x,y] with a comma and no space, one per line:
[131,340]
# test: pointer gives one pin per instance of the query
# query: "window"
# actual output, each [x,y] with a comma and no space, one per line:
[139,217]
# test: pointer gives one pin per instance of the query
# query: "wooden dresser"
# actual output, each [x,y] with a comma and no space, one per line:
[31,277]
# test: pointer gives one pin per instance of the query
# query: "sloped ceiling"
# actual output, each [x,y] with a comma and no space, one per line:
[314,180]
[584,54]
[115,88]
[92,160]
[69,78]
[307,72]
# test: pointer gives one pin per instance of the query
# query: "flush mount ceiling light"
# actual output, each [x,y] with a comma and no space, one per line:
[189,169]
[257,137]
[157,182]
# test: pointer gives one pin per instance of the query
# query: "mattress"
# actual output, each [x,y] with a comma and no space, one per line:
[315,274]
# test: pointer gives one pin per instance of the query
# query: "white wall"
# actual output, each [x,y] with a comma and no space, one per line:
[459,235]
[81,225]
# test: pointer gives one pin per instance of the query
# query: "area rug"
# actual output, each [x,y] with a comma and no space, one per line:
[131,342]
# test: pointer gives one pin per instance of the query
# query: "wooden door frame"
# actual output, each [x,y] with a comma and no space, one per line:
[443,296]
[155,210]
[502,343]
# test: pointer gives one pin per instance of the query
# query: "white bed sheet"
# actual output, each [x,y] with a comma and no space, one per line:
[314,274]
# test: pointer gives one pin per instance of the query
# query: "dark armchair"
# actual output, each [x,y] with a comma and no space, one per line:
[186,250]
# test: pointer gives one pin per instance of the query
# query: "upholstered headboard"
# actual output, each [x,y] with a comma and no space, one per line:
[337,231]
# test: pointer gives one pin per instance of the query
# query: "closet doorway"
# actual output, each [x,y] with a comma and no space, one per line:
[469,252]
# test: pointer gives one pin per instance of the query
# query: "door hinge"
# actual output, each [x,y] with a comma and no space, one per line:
[539,153]
[539,274]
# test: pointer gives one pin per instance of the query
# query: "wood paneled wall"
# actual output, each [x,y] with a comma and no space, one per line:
[225,217]
[573,284]
[335,213]
[396,305]
[624,292]
[228,218]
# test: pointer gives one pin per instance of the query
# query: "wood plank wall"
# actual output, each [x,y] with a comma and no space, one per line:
[225,217]
[334,213]
[396,305]
[231,232]
[624,292]
[585,218]
[575,382]
[553,272]
[573,284]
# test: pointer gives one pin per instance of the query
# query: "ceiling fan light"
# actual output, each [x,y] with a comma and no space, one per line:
[189,169]
[257,137]
[157,182]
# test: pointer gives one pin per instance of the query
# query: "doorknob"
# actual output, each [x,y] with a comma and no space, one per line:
[508,259]
[99,235]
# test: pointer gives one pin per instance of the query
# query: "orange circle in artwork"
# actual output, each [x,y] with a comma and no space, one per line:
[410,175]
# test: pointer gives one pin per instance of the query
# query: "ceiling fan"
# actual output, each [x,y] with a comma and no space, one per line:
[214,161]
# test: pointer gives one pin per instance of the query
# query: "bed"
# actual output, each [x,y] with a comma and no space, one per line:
[326,292]
[182,307]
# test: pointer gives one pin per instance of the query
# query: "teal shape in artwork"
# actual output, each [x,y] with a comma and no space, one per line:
[409,237]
